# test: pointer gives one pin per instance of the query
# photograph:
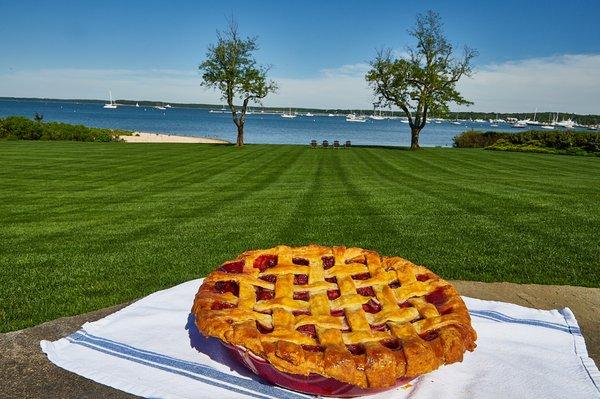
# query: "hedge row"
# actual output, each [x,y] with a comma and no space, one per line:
[557,142]
[21,128]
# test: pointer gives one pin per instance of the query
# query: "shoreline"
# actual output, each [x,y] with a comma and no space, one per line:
[146,137]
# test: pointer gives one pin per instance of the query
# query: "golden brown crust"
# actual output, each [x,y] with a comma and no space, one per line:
[380,319]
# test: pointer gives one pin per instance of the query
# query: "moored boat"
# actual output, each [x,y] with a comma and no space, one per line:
[111,104]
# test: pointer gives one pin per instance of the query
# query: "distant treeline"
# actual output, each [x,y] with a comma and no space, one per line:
[539,116]
[21,128]
[555,142]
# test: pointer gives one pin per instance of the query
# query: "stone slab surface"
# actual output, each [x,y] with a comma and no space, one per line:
[25,372]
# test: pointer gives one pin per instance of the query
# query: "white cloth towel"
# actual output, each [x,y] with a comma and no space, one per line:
[151,349]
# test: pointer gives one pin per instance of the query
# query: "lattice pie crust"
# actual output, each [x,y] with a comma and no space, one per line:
[344,313]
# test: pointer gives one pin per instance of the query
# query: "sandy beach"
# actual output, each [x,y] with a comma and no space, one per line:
[141,137]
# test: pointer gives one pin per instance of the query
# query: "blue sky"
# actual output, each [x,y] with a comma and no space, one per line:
[149,49]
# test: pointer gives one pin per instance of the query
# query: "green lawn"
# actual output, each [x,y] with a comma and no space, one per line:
[87,225]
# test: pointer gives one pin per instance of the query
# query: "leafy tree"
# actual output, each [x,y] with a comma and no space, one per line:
[230,67]
[38,117]
[424,81]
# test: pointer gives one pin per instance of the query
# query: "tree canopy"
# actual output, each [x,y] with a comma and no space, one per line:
[231,68]
[424,79]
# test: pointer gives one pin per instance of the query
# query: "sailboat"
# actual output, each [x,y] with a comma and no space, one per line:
[533,122]
[355,118]
[376,117]
[137,105]
[551,123]
[223,110]
[161,107]
[288,115]
[455,121]
[568,123]
[111,104]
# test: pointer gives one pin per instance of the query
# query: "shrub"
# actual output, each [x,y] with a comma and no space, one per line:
[557,142]
[103,138]
[20,128]
[474,139]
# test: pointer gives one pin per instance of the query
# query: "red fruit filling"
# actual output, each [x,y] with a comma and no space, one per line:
[332,294]
[423,277]
[271,278]
[308,329]
[233,267]
[263,262]
[437,297]
[361,276]
[371,307]
[357,349]
[394,284]
[300,279]
[227,286]
[430,336]
[405,305]
[301,296]
[263,294]
[337,313]
[328,261]
[366,291]
[331,280]
[380,327]
[300,312]
[222,305]
[313,348]
[448,310]
[262,329]
[300,261]
[392,343]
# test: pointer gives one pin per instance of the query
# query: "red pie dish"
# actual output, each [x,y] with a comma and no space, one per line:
[333,321]
[312,384]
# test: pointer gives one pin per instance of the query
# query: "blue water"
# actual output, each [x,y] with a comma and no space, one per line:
[270,129]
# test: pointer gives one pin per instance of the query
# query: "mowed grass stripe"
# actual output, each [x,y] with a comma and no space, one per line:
[498,217]
[104,203]
[88,225]
[102,197]
[500,191]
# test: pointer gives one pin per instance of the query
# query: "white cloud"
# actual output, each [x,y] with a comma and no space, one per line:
[170,85]
[349,70]
[567,83]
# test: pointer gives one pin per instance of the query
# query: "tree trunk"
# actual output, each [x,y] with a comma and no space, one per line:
[240,135]
[414,138]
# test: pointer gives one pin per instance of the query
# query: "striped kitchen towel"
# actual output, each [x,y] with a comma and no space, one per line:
[152,349]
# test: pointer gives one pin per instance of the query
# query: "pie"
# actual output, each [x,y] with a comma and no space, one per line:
[343,313]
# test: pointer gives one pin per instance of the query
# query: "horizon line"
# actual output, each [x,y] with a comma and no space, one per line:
[205,105]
